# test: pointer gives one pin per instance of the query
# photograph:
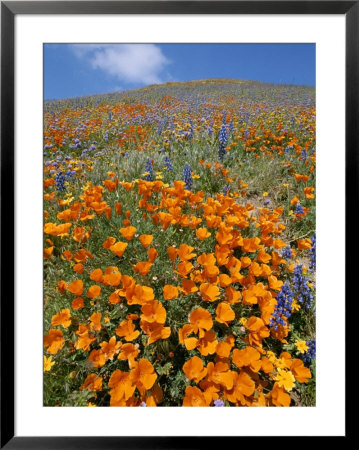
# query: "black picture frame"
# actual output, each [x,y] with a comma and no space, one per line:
[9,9]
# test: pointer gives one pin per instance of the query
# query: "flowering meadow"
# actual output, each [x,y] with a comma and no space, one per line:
[179,246]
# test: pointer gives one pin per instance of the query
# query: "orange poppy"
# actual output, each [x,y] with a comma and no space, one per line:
[82,255]
[224,280]
[222,253]
[206,259]
[201,320]
[92,383]
[276,259]
[118,208]
[202,234]
[48,252]
[220,374]
[170,292]
[128,232]
[257,330]
[80,234]
[250,245]
[110,348]
[207,344]
[304,244]
[139,295]
[267,365]
[112,279]
[110,185]
[188,286]
[245,262]
[95,320]
[127,186]
[143,268]
[274,283]
[146,240]
[224,313]
[79,268]
[194,397]
[224,348]
[301,373]
[66,255]
[153,312]
[129,352]
[97,358]
[94,291]
[122,388]
[54,341]
[109,242]
[232,295]
[194,369]
[184,268]
[119,248]
[96,275]
[279,397]
[243,386]
[247,357]
[152,255]
[76,287]
[57,230]
[62,285]
[185,252]
[62,318]
[172,253]
[209,292]
[144,374]
[309,192]
[127,330]
[278,243]
[84,340]
[114,298]
[77,303]
[189,342]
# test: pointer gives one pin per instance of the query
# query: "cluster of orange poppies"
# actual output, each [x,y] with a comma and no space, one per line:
[230,295]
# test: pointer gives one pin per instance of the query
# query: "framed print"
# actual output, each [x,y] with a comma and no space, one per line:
[176,179]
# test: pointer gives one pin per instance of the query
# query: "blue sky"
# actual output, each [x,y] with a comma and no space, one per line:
[72,70]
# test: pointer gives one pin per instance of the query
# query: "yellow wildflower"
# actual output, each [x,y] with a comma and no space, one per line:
[285,379]
[301,346]
[48,363]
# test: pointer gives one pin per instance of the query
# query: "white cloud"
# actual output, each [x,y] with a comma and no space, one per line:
[129,63]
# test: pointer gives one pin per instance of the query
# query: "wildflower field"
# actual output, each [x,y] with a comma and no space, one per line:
[179,246]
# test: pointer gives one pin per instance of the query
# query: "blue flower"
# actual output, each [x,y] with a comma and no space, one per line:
[222,142]
[149,170]
[309,355]
[230,127]
[225,190]
[218,402]
[301,289]
[210,128]
[303,155]
[60,182]
[283,307]
[187,176]
[299,209]
[287,252]
[312,264]
[168,164]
